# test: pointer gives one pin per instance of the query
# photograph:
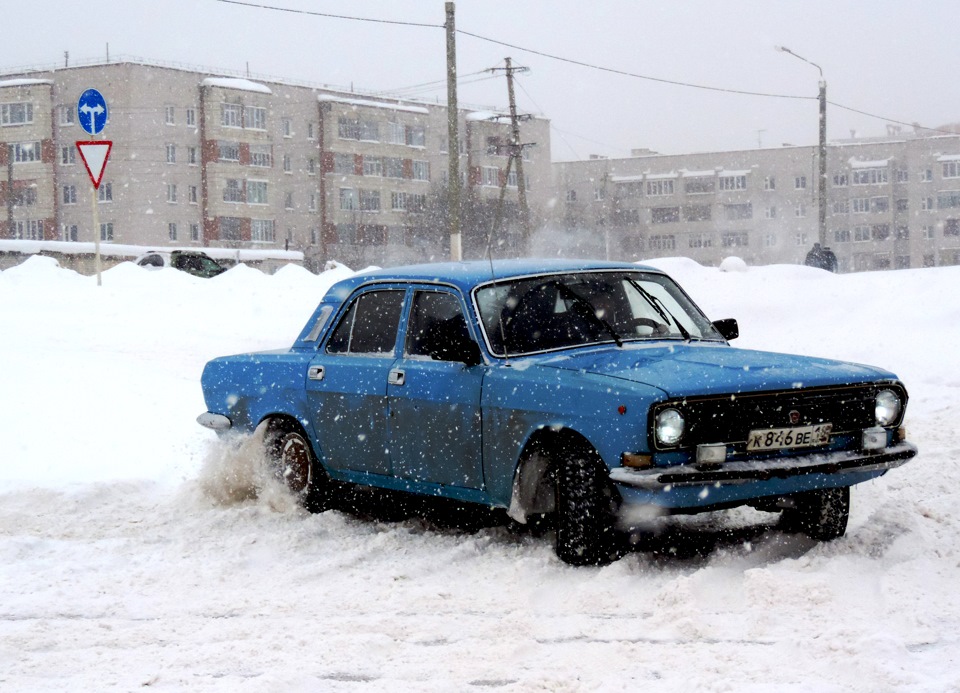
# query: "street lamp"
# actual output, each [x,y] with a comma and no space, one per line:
[822,152]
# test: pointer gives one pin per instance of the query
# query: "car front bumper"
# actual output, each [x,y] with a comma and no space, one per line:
[749,471]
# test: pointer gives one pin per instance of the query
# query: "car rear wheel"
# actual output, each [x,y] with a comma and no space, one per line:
[586,512]
[291,461]
[821,514]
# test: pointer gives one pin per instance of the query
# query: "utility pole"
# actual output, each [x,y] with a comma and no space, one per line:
[453,137]
[9,152]
[516,151]
[822,186]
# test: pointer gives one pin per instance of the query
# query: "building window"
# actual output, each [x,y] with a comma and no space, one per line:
[903,176]
[571,195]
[769,240]
[230,115]
[926,175]
[626,191]
[25,197]
[929,232]
[69,196]
[902,232]
[951,227]
[841,207]
[862,234]
[372,166]
[257,192]
[192,156]
[926,204]
[172,193]
[869,176]
[421,170]
[194,232]
[800,239]
[951,169]
[701,240]
[416,136]
[192,194]
[490,176]
[261,230]
[800,210]
[348,129]
[396,133]
[287,164]
[840,180]
[841,235]
[512,183]
[343,164]
[398,201]
[16,114]
[169,114]
[770,212]
[699,185]
[662,242]
[231,229]
[67,115]
[800,183]
[228,151]
[171,153]
[312,167]
[861,205]
[769,183]
[880,232]
[286,127]
[233,192]
[370,200]
[28,230]
[255,118]
[310,133]
[733,182]
[903,205]
[68,155]
[734,239]
[172,230]
[68,232]
[901,262]
[106,231]
[313,202]
[664,215]
[25,152]
[105,192]
[348,199]
[659,187]
[288,200]
[261,156]
[191,116]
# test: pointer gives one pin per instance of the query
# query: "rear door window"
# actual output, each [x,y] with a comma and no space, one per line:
[370,324]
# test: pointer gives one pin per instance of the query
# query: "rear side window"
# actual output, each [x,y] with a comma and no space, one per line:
[369,325]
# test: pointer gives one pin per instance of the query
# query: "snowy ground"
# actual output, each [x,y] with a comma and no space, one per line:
[129,561]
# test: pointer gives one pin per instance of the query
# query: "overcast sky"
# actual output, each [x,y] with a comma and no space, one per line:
[891,58]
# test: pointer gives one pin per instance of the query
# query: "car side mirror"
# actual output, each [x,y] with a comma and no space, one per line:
[728,328]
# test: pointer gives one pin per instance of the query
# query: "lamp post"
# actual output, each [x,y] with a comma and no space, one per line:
[822,149]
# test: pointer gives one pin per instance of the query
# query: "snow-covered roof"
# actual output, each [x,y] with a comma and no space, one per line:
[725,172]
[23,82]
[698,174]
[626,179]
[236,83]
[949,157]
[372,104]
[660,176]
[879,163]
[486,115]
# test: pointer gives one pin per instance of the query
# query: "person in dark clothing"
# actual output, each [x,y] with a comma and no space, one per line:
[822,258]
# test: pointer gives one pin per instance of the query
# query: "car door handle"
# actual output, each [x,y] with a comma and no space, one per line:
[315,372]
[396,377]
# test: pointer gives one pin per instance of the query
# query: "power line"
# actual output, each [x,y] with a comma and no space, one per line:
[890,120]
[327,14]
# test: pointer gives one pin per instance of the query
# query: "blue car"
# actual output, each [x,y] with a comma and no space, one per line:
[580,391]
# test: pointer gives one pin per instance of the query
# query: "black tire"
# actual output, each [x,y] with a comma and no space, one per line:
[821,515]
[587,505]
[291,460]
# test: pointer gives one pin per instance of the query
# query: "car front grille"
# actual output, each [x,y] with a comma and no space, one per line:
[730,417]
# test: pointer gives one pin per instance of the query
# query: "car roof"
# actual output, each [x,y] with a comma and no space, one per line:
[469,273]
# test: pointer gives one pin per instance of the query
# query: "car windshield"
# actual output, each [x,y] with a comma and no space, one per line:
[547,312]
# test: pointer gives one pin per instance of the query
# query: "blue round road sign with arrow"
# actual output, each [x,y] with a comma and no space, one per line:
[92,111]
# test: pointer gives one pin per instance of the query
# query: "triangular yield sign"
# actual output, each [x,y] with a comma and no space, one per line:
[94,155]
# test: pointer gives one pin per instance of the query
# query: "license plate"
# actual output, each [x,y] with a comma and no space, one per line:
[797,437]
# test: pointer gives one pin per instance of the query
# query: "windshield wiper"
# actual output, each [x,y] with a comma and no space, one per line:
[658,306]
[567,292]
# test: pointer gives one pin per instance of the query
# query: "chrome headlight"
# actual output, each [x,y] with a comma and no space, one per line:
[888,406]
[669,426]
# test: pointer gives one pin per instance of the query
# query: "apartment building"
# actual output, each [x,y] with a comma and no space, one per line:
[201,159]
[892,202]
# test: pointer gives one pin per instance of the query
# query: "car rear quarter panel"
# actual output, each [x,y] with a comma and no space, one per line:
[520,401]
[248,387]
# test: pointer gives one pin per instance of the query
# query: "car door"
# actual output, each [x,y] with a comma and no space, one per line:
[347,383]
[435,422]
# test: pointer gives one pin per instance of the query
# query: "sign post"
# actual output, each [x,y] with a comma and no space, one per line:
[92,116]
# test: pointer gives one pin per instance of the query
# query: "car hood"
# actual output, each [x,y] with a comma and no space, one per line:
[683,368]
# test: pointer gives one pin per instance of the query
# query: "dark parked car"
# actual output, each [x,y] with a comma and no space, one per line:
[572,389]
[192,262]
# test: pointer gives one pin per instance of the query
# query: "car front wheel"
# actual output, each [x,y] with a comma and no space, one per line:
[586,512]
[821,514]
[291,461]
